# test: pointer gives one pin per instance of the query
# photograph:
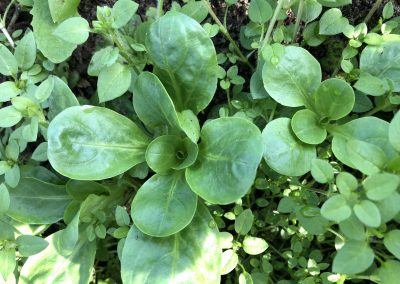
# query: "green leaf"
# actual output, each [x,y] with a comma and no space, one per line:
[388,207]
[37,202]
[336,209]
[185,60]
[170,152]
[153,105]
[61,98]
[40,153]
[291,78]
[332,22]
[61,9]
[392,242]
[25,52]
[260,11]
[54,48]
[30,245]
[230,260]
[368,129]
[113,82]
[12,176]
[353,229]
[8,90]
[102,58]
[189,124]
[394,132]
[164,205]
[370,85]
[354,257]
[122,12]
[305,124]
[180,258]
[389,272]
[254,246]
[244,222]
[334,99]
[8,63]
[122,217]
[4,167]
[45,89]
[197,10]
[231,147]
[388,11]
[7,262]
[283,152]
[382,61]
[45,266]
[381,185]
[68,237]
[311,10]
[93,143]
[366,157]
[74,30]
[321,171]
[4,199]
[80,190]
[346,183]
[334,3]
[12,150]
[9,116]
[368,213]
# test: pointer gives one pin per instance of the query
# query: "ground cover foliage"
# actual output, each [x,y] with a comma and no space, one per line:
[270,154]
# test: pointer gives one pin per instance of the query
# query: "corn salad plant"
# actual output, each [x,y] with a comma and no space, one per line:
[203,154]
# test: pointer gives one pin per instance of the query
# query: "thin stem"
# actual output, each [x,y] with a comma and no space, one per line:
[228,97]
[336,234]
[160,10]
[372,11]
[272,24]
[224,30]
[3,25]
[225,17]
[378,108]
[6,11]
[298,19]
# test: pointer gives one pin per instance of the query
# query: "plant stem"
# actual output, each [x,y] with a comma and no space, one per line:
[228,97]
[373,10]
[378,108]
[3,25]
[160,10]
[336,234]
[224,30]
[298,19]
[272,24]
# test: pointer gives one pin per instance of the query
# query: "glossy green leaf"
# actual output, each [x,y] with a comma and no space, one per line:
[346,183]
[153,105]
[371,85]
[230,260]
[164,205]
[180,258]
[389,272]
[233,148]
[25,52]
[260,11]
[54,48]
[353,229]
[197,10]
[122,12]
[102,58]
[7,262]
[61,98]
[8,63]
[244,222]
[12,176]
[291,78]
[382,61]
[94,143]
[305,124]
[381,185]
[336,209]
[185,60]
[354,257]
[311,10]
[113,82]
[61,9]
[254,246]
[388,207]
[36,202]
[366,157]
[334,99]
[4,199]
[368,213]
[283,152]
[189,123]
[45,266]
[392,242]
[321,171]
[44,90]
[9,116]
[30,245]
[332,22]
[368,129]
[74,30]
[8,90]
[394,132]
[122,217]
